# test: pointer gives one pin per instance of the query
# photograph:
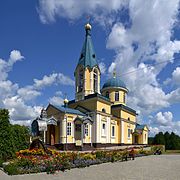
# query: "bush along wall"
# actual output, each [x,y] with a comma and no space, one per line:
[36,160]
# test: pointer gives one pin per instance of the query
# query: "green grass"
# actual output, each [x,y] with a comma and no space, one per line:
[172,151]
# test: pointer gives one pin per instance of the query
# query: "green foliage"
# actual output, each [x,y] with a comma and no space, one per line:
[11,169]
[7,149]
[12,137]
[158,147]
[171,141]
[20,137]
[159,139]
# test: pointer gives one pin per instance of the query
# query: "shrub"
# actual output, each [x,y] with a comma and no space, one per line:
[11,169]
[1,163]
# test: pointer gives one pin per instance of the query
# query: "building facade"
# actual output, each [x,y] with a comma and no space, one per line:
[97,117]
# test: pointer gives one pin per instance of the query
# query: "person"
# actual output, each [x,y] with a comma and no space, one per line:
[132,153]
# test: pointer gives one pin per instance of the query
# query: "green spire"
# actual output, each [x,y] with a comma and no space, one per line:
[88,57]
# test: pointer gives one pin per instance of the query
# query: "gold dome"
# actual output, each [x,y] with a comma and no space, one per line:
[88,26]
[66,101]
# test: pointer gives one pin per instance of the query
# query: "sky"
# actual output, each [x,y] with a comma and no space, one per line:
[41,40]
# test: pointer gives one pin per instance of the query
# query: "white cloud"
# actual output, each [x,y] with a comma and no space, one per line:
[6,66]
[71,9]
[15,56]
[19,110]
[176,76]
[56,100]
[102,67]
[162,122]
[164,119]
[28,93]
[19,100]
[55,78]
[175,80]
[147,39]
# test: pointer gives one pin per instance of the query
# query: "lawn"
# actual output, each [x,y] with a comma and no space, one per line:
[172,152]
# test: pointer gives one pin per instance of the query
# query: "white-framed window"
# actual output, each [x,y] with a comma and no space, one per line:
[129,133]
[103,129]
[113,131]
[117,96]
[69,128]
[86,130]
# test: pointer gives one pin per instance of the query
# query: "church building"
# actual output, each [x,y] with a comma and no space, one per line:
[97,117]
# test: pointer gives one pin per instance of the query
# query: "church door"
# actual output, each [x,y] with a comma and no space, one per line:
[52,135]
[136,140]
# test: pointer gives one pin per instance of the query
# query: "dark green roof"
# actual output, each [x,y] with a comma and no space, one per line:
[67,110]
[123,107]
[88,56]
[114,82]
[92,96]
[139,127]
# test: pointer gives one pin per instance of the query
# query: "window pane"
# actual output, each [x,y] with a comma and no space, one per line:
[86,130]
[68,128]
[116,96]
[113,131]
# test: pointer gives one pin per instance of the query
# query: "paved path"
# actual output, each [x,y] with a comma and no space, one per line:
[163,167]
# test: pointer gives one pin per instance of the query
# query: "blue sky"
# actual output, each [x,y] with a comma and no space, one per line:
[40,43]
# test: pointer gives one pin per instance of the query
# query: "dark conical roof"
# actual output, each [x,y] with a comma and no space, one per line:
[88,56]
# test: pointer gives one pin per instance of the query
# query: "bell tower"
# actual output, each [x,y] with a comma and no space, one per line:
[87,72]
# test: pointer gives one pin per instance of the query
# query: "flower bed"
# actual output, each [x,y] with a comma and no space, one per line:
[36,160]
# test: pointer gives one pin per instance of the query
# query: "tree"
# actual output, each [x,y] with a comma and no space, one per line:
[159,139]
[12,137]
[20,137]
[174,141]
[167,140]
[6,138]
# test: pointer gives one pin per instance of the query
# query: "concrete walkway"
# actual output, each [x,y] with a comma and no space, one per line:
[163,167]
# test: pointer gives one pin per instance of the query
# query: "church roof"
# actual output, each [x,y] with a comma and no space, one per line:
[68,110]
[123,107]
[115,82]
[88,56]
[140,127]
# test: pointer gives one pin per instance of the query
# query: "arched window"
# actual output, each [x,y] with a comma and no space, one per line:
[107,94]
[95,77]
[103,110]
[80,80]
[117,96]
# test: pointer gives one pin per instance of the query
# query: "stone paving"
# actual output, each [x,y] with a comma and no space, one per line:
[163,167]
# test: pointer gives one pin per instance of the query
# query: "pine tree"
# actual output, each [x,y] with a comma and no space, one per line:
[159,139]
[6,138]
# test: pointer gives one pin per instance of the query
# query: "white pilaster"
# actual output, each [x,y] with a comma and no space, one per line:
[122,131]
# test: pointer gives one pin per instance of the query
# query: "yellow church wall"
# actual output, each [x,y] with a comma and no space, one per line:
[128,140]
[116,138]
[57,137]
[101,105]
[126,115]
[112,91]
[87,80]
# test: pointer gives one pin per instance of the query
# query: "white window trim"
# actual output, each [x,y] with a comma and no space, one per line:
[103,131]
[69,129]
[86,130]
